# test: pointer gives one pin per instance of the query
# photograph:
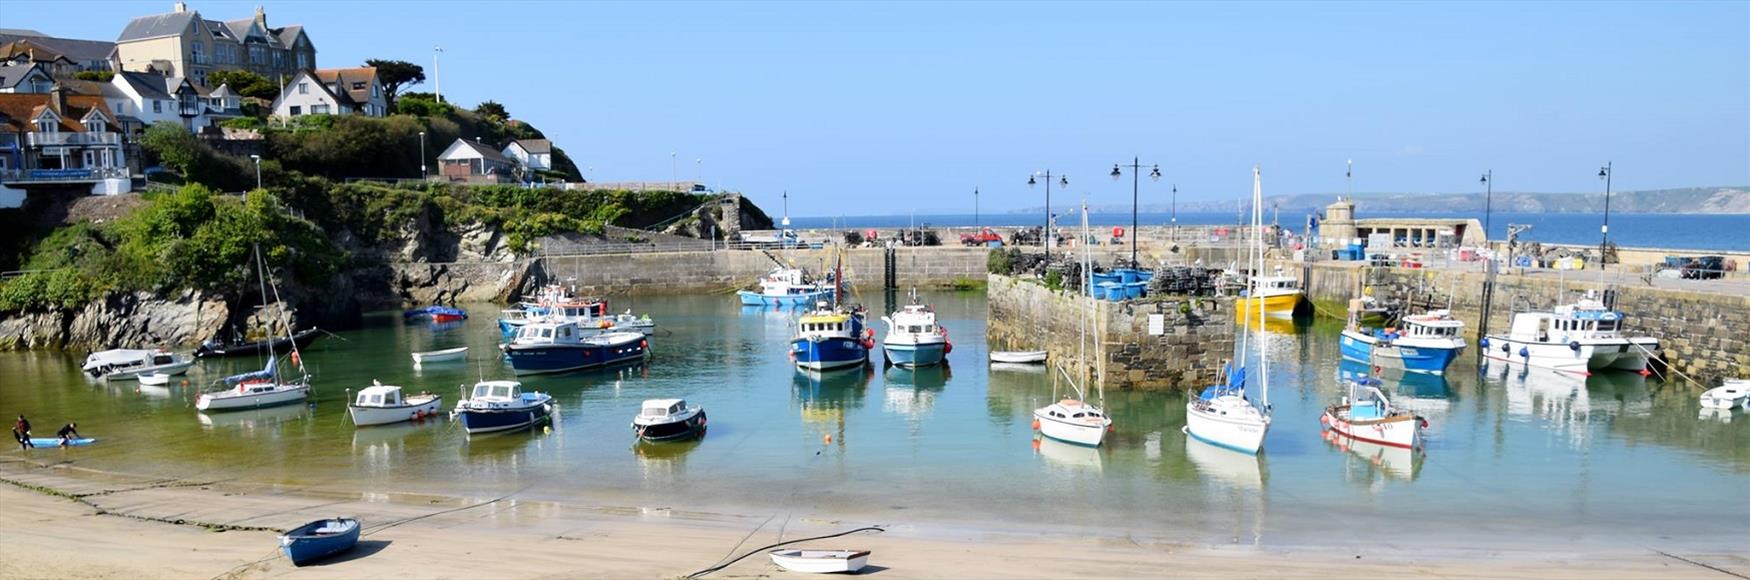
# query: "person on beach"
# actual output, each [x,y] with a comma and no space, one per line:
[21,432]
[67,433]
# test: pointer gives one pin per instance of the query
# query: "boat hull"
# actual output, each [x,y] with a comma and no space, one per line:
[1402,432]
[1239,433]
[367,416]
[1029,357]
[1278,306]
[1724,397]
[175,368]
[453,354]
[233,402]
[690,428]
[1582,357]
[828,353]
[1091,435]
[916,355]
[821,561]
[558,358]
[476,421]
[304,546]
[751,298]
[301,339]
[1365,349]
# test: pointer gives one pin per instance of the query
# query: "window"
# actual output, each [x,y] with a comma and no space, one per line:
[197,52]
[279,59]
[157,106]
[358,85]
[297,110]
[303,60]
[257,54]
[374,91]
[319,109]
[304,88]
[94,126]
[120,108]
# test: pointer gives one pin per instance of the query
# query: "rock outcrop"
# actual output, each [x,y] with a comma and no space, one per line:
[124,320]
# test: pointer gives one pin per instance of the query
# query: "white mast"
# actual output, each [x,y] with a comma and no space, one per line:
[1258,246]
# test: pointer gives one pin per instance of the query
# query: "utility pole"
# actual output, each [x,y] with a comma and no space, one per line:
[1605,173]
[437,78]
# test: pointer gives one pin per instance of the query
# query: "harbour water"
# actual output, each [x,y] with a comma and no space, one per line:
[1674,231]
[1513,459]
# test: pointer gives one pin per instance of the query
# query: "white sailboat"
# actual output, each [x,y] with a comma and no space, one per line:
[266,387]
[1073,420]
[1222,415]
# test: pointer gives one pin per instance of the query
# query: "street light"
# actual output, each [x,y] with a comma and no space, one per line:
[1175,213]
[422,154]
[699,170]
[975,208]
[1135,179]
[1488,203]
[1063,181]
[257,159]
[1604,173]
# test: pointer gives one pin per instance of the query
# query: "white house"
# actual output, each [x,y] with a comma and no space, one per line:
[339,91]
[140,99]
[535,154]
[474,161]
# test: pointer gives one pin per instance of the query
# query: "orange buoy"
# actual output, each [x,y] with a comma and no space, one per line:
[826,438]
[1035,424]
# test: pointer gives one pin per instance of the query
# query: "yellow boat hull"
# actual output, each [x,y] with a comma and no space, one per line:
[1279,306]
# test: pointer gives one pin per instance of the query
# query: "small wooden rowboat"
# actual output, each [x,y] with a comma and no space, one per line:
[320,539]
[1018,356]
[821,561]
[448,354]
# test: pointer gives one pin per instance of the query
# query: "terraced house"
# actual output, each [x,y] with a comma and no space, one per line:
[59,138]
[182,43]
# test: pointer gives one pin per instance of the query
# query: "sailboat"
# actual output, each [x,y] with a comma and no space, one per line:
[266,387]
[1073,420]
[1221,414]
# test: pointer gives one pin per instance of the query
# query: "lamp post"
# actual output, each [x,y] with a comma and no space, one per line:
[699,170]
[257,159]
[1175,213]
[673,172]
[1063,181]
[437,77]
[1488,203]
[1604,173]
[422,154]
[975,208]
[1135,186]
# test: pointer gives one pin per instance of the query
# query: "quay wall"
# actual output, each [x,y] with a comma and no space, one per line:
[725,271]
[1701,334]
[1197,337]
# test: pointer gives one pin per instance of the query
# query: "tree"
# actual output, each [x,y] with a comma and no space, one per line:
[245,83]
[101,76]
[492,110]
[395,74]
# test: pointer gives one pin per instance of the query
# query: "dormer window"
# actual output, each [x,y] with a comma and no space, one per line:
[47,125]
[94,126]
[358,86]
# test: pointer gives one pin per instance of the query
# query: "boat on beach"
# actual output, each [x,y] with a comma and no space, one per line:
[320,539]
[553,347]
[1424,343]
[1734,393]
[788,287]
[1367,415]
[501,406]
[913,337]
[381,404]
[821,561]
[668,420]
[448,354]
[830,338]
[125,363]
[1578,338]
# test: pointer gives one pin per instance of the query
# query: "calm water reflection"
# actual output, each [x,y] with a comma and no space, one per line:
[1512,456]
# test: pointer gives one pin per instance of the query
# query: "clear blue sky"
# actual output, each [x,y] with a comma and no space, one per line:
[885,108]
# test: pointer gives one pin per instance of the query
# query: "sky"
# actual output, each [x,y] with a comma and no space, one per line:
[891,108]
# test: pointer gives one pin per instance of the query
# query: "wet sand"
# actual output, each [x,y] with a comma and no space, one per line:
[67,522]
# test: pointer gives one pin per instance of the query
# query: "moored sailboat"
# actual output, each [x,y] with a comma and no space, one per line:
[266,387]
[1074,420]
[1222,414]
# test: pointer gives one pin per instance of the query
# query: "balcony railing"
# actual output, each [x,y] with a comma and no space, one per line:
[36,139]
[77,174]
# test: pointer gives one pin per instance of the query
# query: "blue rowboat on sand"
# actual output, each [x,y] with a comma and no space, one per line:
[319,539]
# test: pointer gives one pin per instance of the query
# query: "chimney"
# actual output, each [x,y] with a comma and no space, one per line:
[261,18]
[181,7]
[58,100]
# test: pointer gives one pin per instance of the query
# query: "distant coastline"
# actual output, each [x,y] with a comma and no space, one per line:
[1723,200]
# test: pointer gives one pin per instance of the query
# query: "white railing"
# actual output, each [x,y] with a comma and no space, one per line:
[38,139]
[76,174]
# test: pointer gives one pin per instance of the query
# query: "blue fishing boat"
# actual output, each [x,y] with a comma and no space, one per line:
[1426,343]
[913,337]
[553,347]
[320,539]
[830,338]
[788,287]
[502,406]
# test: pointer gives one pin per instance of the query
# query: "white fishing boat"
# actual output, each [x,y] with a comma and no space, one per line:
[448,354]
[381,404]
[1074,420]
[668,420]
[1733,393]
[1222,414]
[821,561]
[1366,414]
[125,363]
[914,339]
[1576,338]
[155,379]
[1025,357]
[266,387]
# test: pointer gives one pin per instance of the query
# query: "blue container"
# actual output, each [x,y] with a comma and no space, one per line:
[1135,290]
[1145,276]
[1104,290]
[1104,278]
[1126,276]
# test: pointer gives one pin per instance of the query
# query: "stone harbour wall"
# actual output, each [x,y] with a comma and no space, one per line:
[728,270]
[1198,333]
[1702,335]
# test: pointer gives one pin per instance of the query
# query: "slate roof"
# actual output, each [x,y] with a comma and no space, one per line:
[79,51]
[11,75]
[148,85]
[536,146]
[156,26]
[344,78]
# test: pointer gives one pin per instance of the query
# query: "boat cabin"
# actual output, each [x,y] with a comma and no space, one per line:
[127,359]
[379,396]
[1277,284]
[1585,319]
[548,333]
[1436,324]
[497,391]
[834,324]
[1073,410]
[1366,401]
[660,408]
[580,310]
[787,282]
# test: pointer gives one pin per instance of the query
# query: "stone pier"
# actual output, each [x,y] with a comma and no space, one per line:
[1195,334]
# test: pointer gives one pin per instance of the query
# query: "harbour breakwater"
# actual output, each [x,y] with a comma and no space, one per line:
[1157,343]
[1700,329]
[724,271]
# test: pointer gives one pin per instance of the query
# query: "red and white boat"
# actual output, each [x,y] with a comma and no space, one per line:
[1366,415]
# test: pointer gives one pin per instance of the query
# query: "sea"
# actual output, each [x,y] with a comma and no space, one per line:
[1514,459]
[1673,231]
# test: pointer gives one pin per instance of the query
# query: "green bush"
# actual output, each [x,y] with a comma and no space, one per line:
[999,262]
[1054,280]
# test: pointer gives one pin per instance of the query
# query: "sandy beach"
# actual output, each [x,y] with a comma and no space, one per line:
[67,522]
